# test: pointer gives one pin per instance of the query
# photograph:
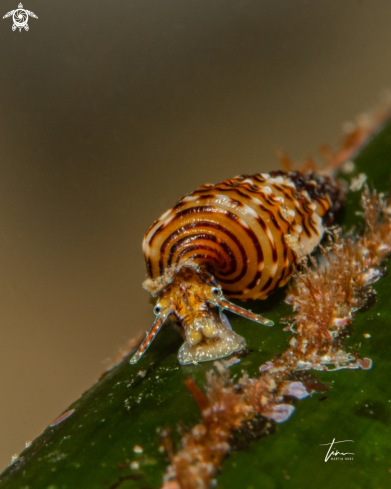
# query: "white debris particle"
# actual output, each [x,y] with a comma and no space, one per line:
[292,341]
[14,458]
[266,366]
[142,373]
[366,335]
[357,182]
[27,444]
[134,465]
[161,449]
[232,361]
[138,449]
[348,167]
[220,367]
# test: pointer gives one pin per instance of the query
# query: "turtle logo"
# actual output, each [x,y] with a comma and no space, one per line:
[20,17]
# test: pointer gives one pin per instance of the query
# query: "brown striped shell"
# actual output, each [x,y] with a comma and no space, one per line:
[240,237]
[243,229]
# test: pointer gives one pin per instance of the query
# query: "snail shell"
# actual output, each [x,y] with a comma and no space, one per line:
[245,233]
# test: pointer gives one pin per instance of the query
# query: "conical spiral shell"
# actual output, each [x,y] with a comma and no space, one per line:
[247,231]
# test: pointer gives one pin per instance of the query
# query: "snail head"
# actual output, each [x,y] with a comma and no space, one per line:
[196,302]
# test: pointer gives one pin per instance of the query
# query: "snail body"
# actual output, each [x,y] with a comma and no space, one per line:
[238,239]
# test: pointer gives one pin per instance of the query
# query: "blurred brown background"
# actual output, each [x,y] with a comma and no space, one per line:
[112,110]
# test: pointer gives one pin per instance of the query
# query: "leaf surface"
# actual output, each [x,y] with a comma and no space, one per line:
[111,439]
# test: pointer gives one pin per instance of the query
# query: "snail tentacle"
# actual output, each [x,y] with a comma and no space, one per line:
[240,311]
[155,328]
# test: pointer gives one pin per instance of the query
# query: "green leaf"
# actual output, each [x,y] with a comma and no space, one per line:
[98,445]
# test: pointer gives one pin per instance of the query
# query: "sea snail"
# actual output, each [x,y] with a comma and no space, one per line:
[238,239]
